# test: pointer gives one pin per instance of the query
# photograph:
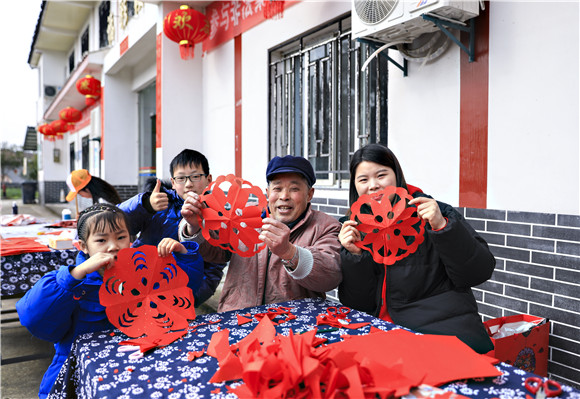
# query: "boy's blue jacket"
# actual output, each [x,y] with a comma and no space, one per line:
[58,307]
[154,226]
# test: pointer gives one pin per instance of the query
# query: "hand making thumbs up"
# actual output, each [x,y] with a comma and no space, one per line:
[159,201]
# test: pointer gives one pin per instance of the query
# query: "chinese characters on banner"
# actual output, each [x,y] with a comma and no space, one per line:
[228,19]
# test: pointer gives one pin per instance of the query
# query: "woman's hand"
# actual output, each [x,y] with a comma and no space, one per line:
[348,236]
[98,262]
[169,245]
[190,210]
[428,210]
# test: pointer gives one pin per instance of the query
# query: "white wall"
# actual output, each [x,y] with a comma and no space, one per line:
[534,157]
[121,124]
[424,123]
[219,85]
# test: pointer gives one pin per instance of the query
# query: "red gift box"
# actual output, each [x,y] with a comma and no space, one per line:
[527,350]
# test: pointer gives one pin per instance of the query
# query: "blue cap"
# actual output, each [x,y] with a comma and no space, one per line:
[291,164]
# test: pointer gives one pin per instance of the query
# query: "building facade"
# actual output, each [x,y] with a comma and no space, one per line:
[492,137]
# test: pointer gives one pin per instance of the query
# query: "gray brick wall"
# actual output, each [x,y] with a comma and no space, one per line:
[126,192]
[52,191]
[537,273]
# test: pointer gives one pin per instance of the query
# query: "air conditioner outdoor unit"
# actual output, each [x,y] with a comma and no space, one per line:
[401,21]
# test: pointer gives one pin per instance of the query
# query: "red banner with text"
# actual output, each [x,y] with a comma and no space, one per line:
[228,19]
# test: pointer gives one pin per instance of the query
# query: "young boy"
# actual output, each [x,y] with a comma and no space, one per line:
[155,215]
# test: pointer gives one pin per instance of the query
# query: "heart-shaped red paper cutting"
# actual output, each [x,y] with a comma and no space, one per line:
[389,232]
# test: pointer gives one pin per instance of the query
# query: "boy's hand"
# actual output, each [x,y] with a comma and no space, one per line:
[98,262]
[190,210]
[169,245]
[348,236]
[159,201]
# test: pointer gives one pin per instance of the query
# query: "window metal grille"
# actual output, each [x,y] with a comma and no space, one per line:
[322,106]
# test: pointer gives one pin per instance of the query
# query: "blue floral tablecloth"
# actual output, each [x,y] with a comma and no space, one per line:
[96,369]
[18,273]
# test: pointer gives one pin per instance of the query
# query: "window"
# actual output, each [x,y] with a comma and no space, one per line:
[322,106]
[85,42]
[104,10]
[85,152]
[72,156]
[71,62]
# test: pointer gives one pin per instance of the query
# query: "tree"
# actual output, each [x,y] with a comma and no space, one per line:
[11,158]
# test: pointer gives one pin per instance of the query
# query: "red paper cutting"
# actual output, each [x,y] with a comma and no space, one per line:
[147,294]
[21,245]
[389,232]
[229,220]
[243,320]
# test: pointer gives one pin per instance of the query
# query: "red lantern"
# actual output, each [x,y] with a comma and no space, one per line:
[71,116]
[187,27]
[273,9]
[46,130]
[90,88]
[60,127]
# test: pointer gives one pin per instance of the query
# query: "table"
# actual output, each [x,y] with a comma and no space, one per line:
[96,369]
[18,273]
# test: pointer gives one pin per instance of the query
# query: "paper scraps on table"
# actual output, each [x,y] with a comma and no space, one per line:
[389,232]
[243,320]
[21,219]
[233,215]
[436,359]
[381,364]
[283,312]
[192,355]
[280,366]
[145,294]
[337,317]
[21,245]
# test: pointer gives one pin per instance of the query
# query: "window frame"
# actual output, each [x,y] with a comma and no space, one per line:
[292,96]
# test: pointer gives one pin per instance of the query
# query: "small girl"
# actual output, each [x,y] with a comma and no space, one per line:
[65,302]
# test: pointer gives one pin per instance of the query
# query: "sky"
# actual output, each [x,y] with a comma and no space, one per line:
[18,82]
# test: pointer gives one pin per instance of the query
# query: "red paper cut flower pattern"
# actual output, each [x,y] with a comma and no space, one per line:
[229,221]
[389,232]
[146,294]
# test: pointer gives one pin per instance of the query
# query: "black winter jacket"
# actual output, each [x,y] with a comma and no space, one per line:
[429,291]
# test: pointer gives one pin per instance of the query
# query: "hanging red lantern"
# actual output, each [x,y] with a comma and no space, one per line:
[71,116]
[90,88]
[187,27]
[273,9]
[60,127]
[46,130]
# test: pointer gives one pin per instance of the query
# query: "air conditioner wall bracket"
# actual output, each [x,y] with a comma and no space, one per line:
[376,46]
[443,25]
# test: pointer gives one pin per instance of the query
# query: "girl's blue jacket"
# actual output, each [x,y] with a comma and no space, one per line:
[58,307]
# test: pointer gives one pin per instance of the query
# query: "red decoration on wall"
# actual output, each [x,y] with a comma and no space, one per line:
[146,294]
[233,221]
[390,231]
[187,27]
[71,116]
[90,88]
[273,9]
[46,130]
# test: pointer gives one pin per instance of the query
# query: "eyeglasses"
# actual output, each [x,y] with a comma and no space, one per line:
[192,178]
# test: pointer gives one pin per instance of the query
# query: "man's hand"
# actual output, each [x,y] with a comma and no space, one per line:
[428,210]
[190,210]
[98,262]
[169,245]
[159,201]
[276,235]
[348,236]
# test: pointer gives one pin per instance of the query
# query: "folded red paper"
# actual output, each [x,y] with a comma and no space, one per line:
[21,245]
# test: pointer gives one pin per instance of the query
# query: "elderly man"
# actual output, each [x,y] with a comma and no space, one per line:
[302,258]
